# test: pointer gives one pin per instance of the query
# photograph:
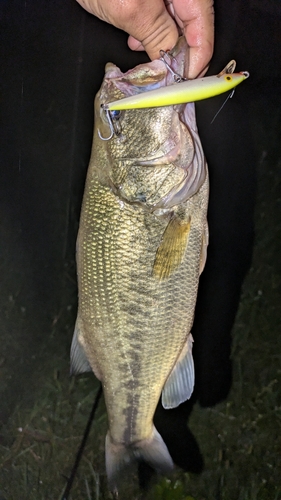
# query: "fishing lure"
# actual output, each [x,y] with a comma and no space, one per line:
[182,92]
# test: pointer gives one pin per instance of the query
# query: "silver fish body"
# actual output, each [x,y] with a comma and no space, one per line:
[140,250]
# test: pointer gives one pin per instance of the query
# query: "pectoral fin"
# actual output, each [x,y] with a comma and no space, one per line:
[171,250]
[78,360]
[180,383]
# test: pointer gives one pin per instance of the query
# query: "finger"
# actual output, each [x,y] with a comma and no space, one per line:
[197,19]
[198,61]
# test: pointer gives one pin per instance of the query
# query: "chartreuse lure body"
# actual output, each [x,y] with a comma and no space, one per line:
[180,93]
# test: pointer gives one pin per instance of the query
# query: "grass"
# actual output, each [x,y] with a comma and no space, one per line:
[240,438]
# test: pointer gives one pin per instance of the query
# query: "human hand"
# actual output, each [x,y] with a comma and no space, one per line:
[152,26]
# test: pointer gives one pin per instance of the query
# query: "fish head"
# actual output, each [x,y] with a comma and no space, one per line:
[151,157]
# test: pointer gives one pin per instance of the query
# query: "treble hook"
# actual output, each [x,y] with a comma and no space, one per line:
[177,77]
[110,123]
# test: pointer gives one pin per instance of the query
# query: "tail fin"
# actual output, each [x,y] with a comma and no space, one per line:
[152,450]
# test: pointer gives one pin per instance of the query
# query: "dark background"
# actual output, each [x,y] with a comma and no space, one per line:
[52,63]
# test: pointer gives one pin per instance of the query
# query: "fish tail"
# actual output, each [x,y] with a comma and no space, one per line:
[151,450]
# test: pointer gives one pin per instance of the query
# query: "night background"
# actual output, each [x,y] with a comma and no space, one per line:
[52,56]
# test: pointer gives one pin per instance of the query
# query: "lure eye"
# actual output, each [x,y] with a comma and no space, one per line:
[228,78]
[115,114]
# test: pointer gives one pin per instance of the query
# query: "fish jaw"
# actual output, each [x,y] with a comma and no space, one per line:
[158,162]
[156,158]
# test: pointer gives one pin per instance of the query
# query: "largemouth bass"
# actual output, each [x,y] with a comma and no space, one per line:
[141,247]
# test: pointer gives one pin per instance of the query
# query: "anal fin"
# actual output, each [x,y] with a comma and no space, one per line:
[180,383]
